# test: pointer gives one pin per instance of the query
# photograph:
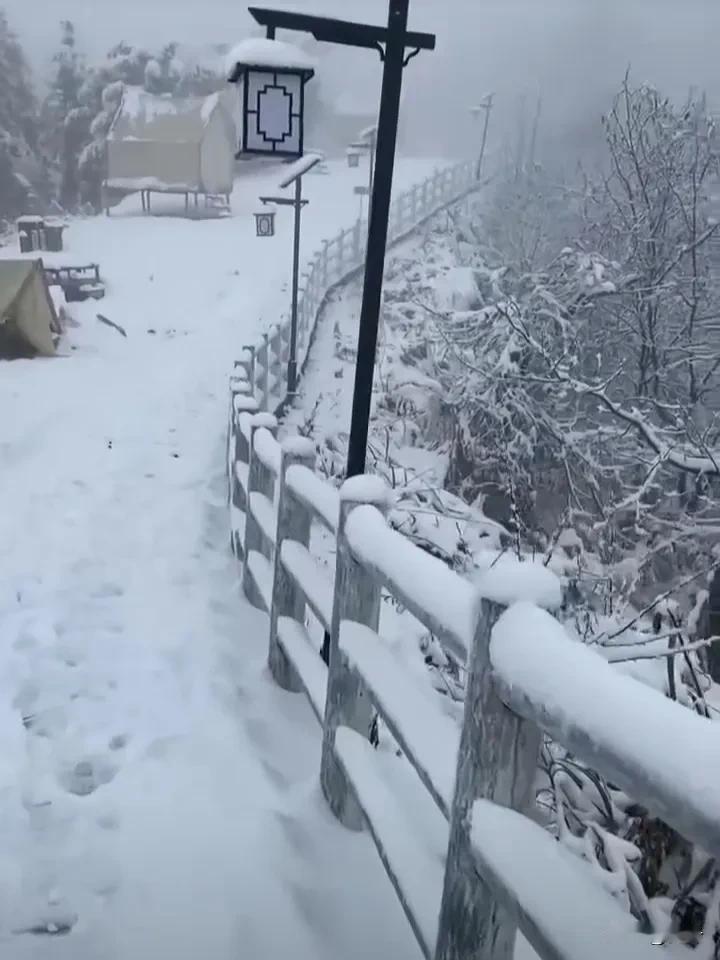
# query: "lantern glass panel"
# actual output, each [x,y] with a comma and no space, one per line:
[273,122]
[353,159]
[265,224]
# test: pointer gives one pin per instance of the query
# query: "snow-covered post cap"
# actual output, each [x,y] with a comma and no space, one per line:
[366,489]
[299,448]
[266,420]
[510,581]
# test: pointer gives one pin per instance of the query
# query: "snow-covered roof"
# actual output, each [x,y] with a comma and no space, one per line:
[259,52]
[152,117]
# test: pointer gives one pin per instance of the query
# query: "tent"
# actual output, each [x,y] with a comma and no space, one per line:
[171,145]
[28,320]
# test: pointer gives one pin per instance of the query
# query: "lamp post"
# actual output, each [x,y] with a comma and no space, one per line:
[397,46]
[366,143]
[293,177]
[484,107]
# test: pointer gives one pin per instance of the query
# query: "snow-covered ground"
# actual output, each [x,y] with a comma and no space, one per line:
[157,794]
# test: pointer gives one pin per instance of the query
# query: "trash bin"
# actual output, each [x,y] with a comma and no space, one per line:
[25,242]
[33,228]
[54,235]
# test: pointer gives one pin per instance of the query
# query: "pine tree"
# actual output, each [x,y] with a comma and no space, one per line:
[21,171]
[66,118]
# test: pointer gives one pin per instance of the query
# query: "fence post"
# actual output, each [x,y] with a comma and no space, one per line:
[266,374]
[357,243]
[356,597]
[497,760]
[239,387]
[293,523]
[240,453]
[247,364]
[259,481]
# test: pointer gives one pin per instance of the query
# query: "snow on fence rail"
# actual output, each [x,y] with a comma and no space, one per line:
[334,263]
[449,815]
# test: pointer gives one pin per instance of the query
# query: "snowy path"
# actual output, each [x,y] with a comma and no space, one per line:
[157,793]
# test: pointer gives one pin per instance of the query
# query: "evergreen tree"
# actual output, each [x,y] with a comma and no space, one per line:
[66,117]
[21,171]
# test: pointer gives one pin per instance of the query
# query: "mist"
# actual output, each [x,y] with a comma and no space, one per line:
[570,53]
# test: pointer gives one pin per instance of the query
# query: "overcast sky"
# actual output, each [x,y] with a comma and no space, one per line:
[571,51]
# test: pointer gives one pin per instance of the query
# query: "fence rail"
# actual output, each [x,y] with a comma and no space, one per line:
[449,820]
[449,814]
[336,261]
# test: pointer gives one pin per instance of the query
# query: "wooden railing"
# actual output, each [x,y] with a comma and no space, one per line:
[448,808]
[337,261]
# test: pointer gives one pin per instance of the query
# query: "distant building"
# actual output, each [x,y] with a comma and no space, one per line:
[169,145]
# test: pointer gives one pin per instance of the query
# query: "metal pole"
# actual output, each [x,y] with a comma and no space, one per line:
[488,108]
[377,235]
[373,147]
[292,360]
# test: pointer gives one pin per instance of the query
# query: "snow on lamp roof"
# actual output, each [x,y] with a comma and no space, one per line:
[260,52]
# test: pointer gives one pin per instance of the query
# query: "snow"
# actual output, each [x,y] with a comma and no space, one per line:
[245,404]
[318,495]
[673,754]
[259,52]
[440,597]
[124,640]
[410,832]
[555,891]
[264,512]
[299,447]
[507,580]
[242,472]
[261,570]
[137,104]
[294,640]
[366,489]
[267,449]
[429,737]
[316,587]
[132,184]
[209,106]
[300,167]
[368,133]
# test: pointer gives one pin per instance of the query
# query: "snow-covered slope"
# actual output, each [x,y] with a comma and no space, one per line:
[157,793]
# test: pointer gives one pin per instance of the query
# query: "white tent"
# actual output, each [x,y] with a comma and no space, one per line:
[171,145]
[28,322]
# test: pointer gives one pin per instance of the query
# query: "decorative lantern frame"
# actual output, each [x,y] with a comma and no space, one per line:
[273,107]
[265,223]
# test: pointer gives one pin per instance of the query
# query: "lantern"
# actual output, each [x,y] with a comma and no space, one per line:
[353,158]
[271,77]
[265,223]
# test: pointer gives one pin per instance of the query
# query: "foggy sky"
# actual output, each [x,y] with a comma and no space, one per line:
[572,52]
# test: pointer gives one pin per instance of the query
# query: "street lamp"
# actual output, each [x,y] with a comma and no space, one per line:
[397,46]
[271,77]
[294,176]
[485,106]
[365,143]
[265,223]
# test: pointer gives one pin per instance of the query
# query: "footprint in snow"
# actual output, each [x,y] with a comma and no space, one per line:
[107,590]
[84,777]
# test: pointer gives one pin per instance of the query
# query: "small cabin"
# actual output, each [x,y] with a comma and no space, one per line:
[166,144]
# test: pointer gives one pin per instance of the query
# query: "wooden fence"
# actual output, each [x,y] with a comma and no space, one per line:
[337,261]
[450,817]
[448,810]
